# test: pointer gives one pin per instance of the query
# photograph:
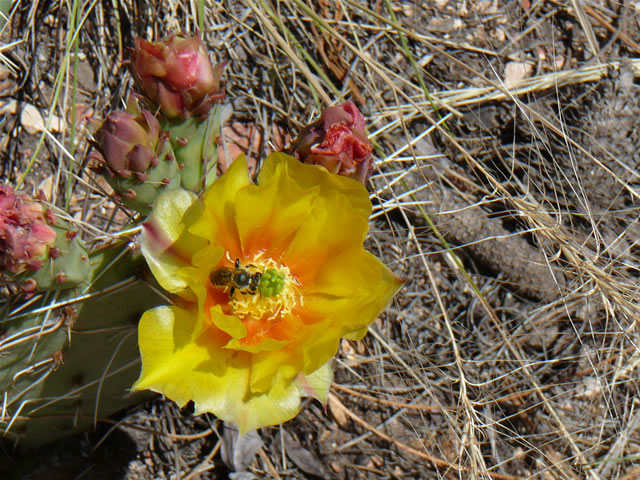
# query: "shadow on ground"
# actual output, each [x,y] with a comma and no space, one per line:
[61,460]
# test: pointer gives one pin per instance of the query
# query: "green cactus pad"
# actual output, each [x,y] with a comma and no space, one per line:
[70,268]
[194,143]
[61,368]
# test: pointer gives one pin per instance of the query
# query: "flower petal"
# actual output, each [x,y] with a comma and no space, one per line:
[351,273]
[269,215]
[314,244]
[160,235]
[316,384]
[217,222]
[185,367]
[309,176]
[166,346]
[264,345]
[253,411]
[229,324]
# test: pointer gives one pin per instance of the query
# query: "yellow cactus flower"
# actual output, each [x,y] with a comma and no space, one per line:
[267,278]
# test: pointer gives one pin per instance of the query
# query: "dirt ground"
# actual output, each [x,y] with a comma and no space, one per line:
[506,192]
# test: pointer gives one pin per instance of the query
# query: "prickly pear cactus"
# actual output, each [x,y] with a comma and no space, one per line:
[68,358]
[177,78]
[68,352]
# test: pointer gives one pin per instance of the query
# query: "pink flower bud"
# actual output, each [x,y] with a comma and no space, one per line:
[338,142]
[26,238]
[128,143]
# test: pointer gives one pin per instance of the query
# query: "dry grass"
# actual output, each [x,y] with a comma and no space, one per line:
[506,193]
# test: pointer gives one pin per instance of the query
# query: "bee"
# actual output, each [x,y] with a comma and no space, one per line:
[241,279]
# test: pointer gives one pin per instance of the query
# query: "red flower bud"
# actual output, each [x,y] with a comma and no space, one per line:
[176,75]
[338,142]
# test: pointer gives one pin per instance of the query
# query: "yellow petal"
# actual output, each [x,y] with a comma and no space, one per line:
[354,307]
[309,176]
[162,230]
[331,228]
[266,345]
[165,336]
[266,365]
[229,324]
[185,367]
[343,317]
[268,215]
[169,210]
[217,224]
[279,404]
[317,384]
[352,273]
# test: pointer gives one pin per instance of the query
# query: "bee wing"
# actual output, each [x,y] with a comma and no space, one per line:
[222,276]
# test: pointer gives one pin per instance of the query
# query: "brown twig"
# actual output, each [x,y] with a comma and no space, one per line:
[408,406]
[269,465]
[623,36]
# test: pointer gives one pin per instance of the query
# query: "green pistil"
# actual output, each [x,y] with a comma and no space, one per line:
[272,282]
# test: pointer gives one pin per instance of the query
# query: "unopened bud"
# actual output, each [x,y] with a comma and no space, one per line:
[176,75]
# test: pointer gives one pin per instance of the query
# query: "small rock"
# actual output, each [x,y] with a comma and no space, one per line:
[31,119]
[33,122]
[515,72]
